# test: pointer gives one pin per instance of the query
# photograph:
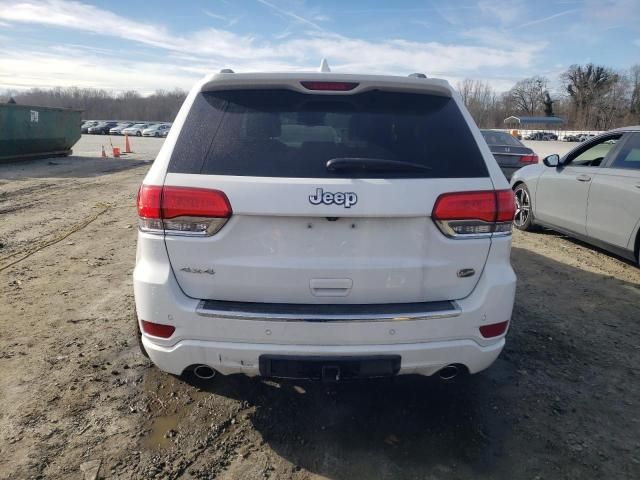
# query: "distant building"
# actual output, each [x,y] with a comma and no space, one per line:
[533,122]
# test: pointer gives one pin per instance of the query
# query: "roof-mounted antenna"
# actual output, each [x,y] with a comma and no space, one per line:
[417,75]
[324,66]
[226,70]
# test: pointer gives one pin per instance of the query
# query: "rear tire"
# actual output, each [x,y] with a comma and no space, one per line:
[138,134]
[523,218]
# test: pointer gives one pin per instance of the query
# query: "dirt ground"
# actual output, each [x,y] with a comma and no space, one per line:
[561,401]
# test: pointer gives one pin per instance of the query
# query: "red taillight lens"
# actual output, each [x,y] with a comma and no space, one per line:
[194,202]
[506,205]
[465,206]
[157,329]
[493,330]
[465,214]
[330,86]
[529,159]
[149,201]
[182,210]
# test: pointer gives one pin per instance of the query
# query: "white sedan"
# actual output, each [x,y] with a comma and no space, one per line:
[591,193]
[159,130]
[135,129]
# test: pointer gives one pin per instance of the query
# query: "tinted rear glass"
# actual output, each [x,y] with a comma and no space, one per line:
[280,133]
[500,138]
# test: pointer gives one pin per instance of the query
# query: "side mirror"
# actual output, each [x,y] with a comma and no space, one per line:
[552,160]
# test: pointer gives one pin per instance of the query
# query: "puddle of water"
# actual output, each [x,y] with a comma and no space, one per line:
[158,437]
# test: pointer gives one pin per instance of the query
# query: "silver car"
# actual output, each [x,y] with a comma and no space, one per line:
[591,193]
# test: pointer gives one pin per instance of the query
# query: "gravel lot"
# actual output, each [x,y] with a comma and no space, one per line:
[561,402]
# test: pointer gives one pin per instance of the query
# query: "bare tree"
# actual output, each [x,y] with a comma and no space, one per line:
[585,84]
[161,106]
[634,102]
[528,95]
[479,98]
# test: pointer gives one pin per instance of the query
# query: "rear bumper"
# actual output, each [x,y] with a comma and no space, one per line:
[234,345]
[229,358]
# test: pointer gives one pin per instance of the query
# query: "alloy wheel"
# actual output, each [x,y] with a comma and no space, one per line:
[523,207]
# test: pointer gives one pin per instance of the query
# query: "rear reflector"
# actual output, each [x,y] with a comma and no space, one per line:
[529,159]
[330,86]
[493,330]
[473,214]
[182,210]
[157,329]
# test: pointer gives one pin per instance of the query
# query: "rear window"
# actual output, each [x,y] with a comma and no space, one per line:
[500,138]
[280,133]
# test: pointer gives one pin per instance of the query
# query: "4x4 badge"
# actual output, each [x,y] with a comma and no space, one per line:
[347,199]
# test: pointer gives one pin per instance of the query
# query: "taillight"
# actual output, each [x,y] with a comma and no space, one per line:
[494,329]
[330,86]
[157,329]
[474,214]
[182,210]
[529,159]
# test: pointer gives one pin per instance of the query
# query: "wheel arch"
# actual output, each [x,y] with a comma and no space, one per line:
[515,185]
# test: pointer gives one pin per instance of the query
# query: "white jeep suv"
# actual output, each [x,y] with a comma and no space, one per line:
[324,226]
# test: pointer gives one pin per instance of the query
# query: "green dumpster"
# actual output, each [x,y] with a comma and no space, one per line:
[28,131]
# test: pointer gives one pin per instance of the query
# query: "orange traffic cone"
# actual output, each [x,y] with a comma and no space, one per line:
[127,147]
[104,154]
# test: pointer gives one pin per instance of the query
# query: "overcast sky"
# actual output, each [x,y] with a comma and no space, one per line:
[147,45]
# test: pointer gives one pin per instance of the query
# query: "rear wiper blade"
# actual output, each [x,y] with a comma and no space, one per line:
[371,164]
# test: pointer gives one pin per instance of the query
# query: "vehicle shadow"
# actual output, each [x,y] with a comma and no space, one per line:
[67,167]
[575,241]
[402,427]
[556,400]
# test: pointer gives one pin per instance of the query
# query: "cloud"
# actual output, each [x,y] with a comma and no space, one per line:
[550,17]
[294,16]
[185,57]
[506,11]
[607,13]
[229,22]
[61,69]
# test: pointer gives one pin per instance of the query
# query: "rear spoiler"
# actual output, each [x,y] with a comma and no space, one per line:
[290,81]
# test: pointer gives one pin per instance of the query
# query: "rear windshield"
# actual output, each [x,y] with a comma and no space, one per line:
[500,138]
[280,133]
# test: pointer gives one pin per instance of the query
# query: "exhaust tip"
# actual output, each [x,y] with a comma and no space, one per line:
[204,372]
[449,372]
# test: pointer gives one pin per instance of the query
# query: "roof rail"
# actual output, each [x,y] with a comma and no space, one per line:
[417,75]
[227,70]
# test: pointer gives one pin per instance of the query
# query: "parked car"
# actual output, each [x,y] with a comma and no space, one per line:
[86,125]
[591,193]
[101,128]
[543,136]
[368,238]
[508,151]
[570,138]
[117,130]
[135,129]
[156,130]
[585,136]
